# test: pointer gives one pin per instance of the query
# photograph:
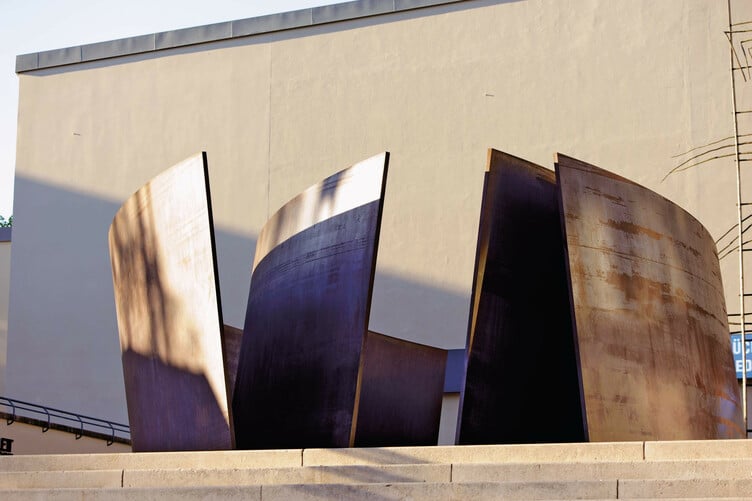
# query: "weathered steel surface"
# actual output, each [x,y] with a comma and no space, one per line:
[307,315]
[521,382]
[650,317]
[167,300]
[401,390]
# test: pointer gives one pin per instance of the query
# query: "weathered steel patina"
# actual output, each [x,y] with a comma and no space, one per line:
[649,312]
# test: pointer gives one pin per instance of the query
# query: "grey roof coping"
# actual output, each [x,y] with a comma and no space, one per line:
[220,31]
[59,57]
[122,47]
[27,62]
[5,234]
[271,23]
[350,10]
[191,36]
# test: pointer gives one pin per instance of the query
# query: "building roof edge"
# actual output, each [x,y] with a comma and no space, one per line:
[219,31]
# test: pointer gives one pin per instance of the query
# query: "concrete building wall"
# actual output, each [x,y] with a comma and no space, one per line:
[624,84]
[5,238]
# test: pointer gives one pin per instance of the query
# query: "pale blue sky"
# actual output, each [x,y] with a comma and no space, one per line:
[37,25]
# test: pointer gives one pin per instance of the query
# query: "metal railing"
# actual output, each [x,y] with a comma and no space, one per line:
[80,422]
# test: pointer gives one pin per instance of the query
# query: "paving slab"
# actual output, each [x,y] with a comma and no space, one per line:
[154,460]
[535,453]
[272,476]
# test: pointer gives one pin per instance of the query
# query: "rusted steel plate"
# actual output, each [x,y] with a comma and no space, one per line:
[650,317]
[167,300]
[521,382]
[401,390]
[307,314]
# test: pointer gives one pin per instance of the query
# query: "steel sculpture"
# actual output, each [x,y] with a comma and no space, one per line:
[168,309]
[310,374]
[521,380]
[649,312]
[618,289]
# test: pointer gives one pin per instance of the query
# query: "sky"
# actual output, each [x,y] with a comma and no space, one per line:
[36,25]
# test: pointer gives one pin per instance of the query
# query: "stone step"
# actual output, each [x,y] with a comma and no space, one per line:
[153,460]
[712,469]
[477,491]
[520,472]
[685,489]
[653,470]
[535,453]
[225,477]
[590,489]
[627,470]
[470,454]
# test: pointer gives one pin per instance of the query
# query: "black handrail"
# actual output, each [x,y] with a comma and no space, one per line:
[114,430]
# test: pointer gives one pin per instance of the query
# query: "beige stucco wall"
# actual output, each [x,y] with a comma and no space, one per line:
[4,296]
[625,84]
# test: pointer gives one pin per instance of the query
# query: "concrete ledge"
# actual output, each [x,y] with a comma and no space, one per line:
[277,476]
[699,449]
[60,479]
[537,453]
[154,460]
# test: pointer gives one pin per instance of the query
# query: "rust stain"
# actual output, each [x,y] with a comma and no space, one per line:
[633,229]
[615,199]
[686,247]
[638,288]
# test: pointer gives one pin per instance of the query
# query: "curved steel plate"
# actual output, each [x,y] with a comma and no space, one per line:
[307,314]
[167,300]
[521,382]
[402,385]
[649,311]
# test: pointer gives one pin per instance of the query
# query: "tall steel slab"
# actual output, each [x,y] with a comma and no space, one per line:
[169,318]
[649,312]
[307,314]
[521,381]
